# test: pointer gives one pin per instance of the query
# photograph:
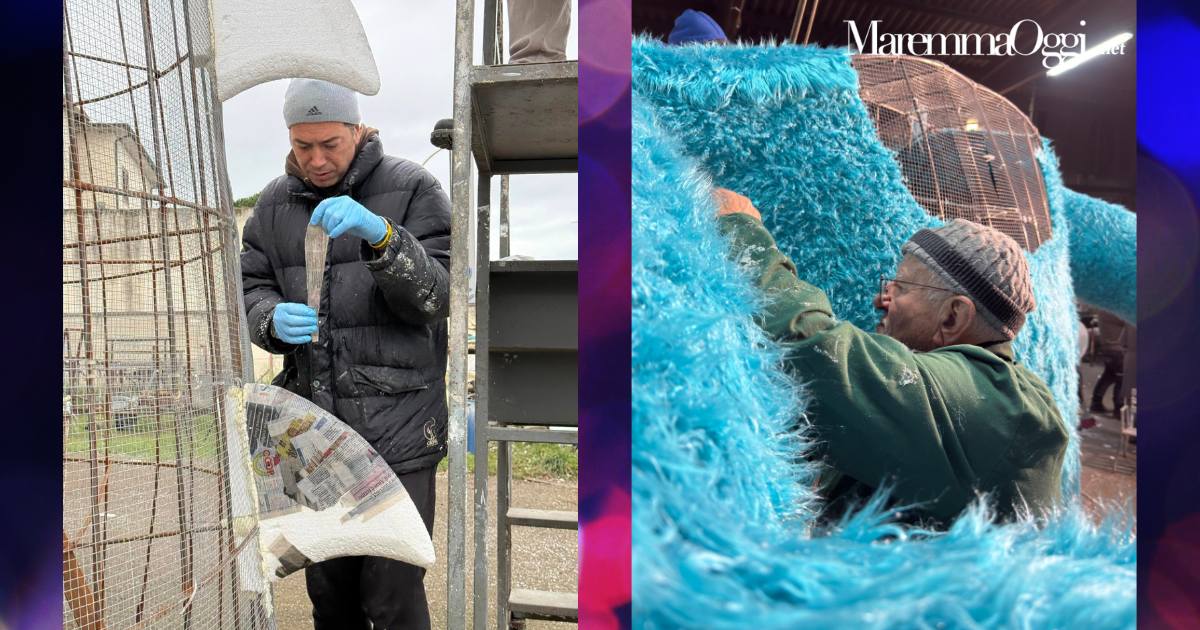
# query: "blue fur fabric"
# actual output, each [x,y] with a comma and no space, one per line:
[722,508]
[1103,253]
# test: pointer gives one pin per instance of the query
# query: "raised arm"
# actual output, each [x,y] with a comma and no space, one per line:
[412,271]
[877,414]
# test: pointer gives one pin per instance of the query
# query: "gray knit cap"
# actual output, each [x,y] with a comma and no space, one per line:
[313,100]
[982,263]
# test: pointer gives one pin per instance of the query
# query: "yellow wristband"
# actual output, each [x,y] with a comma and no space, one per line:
[386,237]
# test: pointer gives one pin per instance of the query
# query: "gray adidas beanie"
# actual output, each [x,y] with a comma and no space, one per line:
[982,263]
[313,100]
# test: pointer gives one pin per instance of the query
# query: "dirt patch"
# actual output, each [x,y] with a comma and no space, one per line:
[143,551]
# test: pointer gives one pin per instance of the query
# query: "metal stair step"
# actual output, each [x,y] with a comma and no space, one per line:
[541,435]
[548,605]
[553,519]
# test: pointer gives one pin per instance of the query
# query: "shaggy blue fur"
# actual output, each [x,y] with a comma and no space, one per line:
[722,509]
[1103,253]
[785,126]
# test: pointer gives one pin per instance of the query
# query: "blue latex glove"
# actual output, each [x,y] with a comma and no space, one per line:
[293,323]
[343,215]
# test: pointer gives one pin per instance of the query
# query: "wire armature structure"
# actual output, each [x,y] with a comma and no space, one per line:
[157,533]
[965,151]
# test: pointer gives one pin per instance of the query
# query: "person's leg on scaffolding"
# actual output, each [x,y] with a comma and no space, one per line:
[537,30]
[1118,386]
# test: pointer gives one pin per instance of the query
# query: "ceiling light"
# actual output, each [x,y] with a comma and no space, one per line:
[1094,51]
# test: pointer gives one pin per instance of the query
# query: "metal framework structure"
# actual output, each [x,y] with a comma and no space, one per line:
[965,151]
[512,119]
[152,329]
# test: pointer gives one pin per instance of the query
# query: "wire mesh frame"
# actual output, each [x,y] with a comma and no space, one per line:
[965,151]
[151,328]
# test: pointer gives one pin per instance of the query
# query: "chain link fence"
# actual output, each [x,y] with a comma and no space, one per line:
[155,535]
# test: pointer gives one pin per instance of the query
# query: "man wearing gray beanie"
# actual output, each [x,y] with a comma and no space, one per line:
[379,359]
[933,404]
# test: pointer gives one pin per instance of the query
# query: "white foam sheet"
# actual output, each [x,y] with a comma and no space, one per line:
[397,533]
[257,41]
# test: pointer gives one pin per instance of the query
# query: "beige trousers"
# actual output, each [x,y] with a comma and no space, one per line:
[537,30]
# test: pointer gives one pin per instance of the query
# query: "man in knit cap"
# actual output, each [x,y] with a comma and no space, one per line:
[933,403]
[379,360]
[696,27]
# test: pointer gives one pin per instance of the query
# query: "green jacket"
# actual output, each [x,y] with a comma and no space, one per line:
[941,426]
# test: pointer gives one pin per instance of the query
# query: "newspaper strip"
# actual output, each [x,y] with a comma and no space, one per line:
[303,456]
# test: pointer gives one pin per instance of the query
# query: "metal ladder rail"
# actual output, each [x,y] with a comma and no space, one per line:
[460,225]
[469,138]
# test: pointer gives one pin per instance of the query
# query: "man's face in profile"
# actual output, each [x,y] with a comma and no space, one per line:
[909,310]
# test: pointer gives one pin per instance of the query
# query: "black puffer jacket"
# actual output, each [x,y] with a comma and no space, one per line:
[380,359]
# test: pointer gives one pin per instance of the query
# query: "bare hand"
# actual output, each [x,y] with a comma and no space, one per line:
[729,202]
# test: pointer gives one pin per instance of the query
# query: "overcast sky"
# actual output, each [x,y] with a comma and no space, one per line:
[413,43]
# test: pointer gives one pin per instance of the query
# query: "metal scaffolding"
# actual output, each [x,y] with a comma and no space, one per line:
[512,119]
[152,328]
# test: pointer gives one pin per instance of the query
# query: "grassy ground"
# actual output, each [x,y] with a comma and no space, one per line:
[534,461]
[199,436]
[529,461]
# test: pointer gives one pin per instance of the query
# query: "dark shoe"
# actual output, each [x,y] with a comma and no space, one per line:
[1097,407]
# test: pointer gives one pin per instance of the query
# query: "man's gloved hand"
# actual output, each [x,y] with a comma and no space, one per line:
[343,215]
[293,323]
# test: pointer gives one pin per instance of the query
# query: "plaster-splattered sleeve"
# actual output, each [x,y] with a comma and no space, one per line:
[794,308]
[413,270]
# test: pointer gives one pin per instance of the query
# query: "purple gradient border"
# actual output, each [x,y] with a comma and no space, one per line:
[30,363]
[1169,498]
[605,39]
[1169,315]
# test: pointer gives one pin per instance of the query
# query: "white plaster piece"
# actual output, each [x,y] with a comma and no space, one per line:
[243,495]
[257,41]
[396,532]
